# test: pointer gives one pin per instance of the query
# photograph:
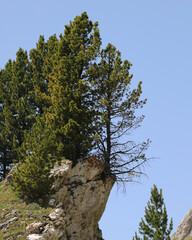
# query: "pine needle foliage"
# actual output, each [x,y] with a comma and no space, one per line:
[71,112]
[69,98]
[32,178]
[117,105]
[155,226]
[17,110]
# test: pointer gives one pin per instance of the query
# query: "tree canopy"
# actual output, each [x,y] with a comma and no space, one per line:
[154,226]
[116,104]
[70,98]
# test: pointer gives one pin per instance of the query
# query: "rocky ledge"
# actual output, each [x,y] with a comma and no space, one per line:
[81,194]
[184,230]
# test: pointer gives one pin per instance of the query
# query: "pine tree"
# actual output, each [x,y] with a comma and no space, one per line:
[22,101]
[41,66]
[79,100]
[71,112]
[64,128]
[6,140]
[155,226]
[116,106]
[7,152]
[31,179]
[17,107]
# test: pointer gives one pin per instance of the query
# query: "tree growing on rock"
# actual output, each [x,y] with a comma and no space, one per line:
[155,226]
[67,119]
[71,113]
[116,105]
[81,103]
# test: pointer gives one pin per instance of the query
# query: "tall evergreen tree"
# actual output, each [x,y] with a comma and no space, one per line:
[17,106]
[155,226]
[7,153]
[41,67]
[79,98]
[22,100]
[71,111]
[64,128]
[116,106]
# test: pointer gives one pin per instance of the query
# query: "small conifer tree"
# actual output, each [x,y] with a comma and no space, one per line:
[155,226]
[32,180]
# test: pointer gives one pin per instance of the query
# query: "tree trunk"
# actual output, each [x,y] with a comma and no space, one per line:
[108,126]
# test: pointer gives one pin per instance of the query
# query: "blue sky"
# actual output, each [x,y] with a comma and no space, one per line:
[156,37]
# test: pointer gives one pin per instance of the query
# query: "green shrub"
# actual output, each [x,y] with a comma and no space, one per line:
[31,179]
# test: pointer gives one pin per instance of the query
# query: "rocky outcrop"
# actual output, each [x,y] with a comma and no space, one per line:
[184,230]
[81,194]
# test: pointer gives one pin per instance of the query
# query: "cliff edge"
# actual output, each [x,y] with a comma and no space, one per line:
[184,230]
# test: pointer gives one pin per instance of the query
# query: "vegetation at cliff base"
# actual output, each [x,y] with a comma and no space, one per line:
[69,98]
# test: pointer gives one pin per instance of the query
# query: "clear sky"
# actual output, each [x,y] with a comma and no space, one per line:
[156,37]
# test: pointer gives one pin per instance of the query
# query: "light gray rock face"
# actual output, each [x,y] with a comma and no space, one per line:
[80,198]
[184,230]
